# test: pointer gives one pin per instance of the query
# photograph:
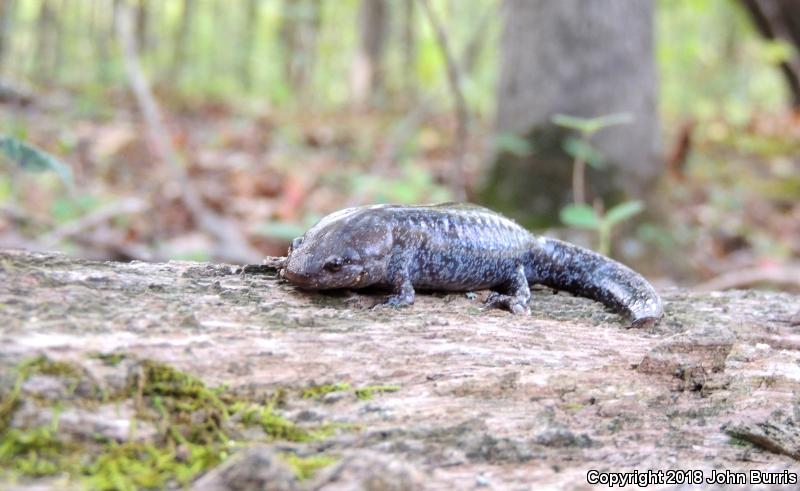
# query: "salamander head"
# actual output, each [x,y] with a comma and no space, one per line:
[348,249]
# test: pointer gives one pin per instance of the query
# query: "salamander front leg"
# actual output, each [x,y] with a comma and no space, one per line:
[400,279]
[516,297]
[403,294]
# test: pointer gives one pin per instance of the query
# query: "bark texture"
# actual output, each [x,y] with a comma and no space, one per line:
[580,58]
[367,70]
[7,14]
[298,37]
[482,398]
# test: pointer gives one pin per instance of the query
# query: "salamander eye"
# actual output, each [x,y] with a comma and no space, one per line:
[333,264]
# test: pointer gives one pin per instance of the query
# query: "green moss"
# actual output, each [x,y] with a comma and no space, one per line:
[327,430]
[473,310]
[179,402]
[276,426]
[9,403]
[196,428]
[362,393]
[40,365]
[318,391]
[110,359]
[136,465]
[368,392]
[305,467]
[33,452]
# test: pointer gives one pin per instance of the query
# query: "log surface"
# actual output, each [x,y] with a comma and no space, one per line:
[484,398]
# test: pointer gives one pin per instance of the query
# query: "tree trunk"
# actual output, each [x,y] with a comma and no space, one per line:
[298,36]
[780,19]
[60,28]
[581,58]
[7,12]
[477,40]
[409,41]
[104,16]
[45,28]
[248,40]
[142,27]
[181,37]
[367,71]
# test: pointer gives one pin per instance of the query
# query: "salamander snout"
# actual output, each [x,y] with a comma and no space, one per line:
[297,270]
[314,270]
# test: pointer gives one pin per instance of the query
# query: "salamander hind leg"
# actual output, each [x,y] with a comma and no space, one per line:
[515,294]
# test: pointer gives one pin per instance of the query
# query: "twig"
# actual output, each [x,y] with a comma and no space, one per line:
[95,243]
[470,55]
[462,114]
[784,274]
[232,245]
[579,179]
[110,243]
[676,161]
[123,207]
[399,137]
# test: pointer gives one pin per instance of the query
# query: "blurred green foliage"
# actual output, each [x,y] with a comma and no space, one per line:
[713,68]
[587,127]
[516,145]
[713,64]
[32,159]
[588,218]
[711,61]
[216,51]
[414,184]
[579,214]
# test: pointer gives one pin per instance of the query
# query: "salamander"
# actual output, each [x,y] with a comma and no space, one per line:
[458,247]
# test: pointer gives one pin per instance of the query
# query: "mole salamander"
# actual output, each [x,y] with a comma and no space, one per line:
[458,247]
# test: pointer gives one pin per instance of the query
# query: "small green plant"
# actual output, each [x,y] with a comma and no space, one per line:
[513,144]
[581,148]
[579,214]
[586,217]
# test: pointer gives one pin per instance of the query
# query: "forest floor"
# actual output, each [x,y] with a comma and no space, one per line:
[728,200]
[221,379]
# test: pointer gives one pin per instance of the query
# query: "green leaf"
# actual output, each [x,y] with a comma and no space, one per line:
[578,147]
[32,159]
[590,126]
[513,144]
[622,212]
[580,216]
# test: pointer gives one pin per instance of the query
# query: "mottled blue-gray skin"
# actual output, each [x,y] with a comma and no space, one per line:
[458,247]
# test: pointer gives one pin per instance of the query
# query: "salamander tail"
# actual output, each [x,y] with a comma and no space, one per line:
[567,267]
